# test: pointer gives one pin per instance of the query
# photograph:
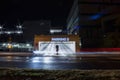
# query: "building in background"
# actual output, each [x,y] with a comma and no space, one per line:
[12,33]
[20,37]
[32,28]
[11,39]
[96,21]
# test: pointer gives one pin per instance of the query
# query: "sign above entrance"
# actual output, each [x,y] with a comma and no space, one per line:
[59,39]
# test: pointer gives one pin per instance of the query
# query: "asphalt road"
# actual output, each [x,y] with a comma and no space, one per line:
[82,61]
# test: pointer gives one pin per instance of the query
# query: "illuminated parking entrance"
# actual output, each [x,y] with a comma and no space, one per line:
[56,45]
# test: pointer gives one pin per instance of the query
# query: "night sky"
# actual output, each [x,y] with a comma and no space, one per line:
[14,11]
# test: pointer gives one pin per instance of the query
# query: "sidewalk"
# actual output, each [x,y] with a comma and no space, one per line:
[107,55]
[100,49]
[16,54]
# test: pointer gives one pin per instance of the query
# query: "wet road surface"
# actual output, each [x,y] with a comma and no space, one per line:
[105,61]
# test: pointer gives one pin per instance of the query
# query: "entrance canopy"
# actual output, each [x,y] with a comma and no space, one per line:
[57,44]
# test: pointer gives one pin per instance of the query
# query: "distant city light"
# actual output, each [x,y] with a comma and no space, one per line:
[27,44]
[17,45]
[19,26]
[1,32]
[3,44]
[11,32]
[76,27]
[55,30]
[96,16]
[1,27]
[9,46]
[80,44]
[8,32]
[19,32]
